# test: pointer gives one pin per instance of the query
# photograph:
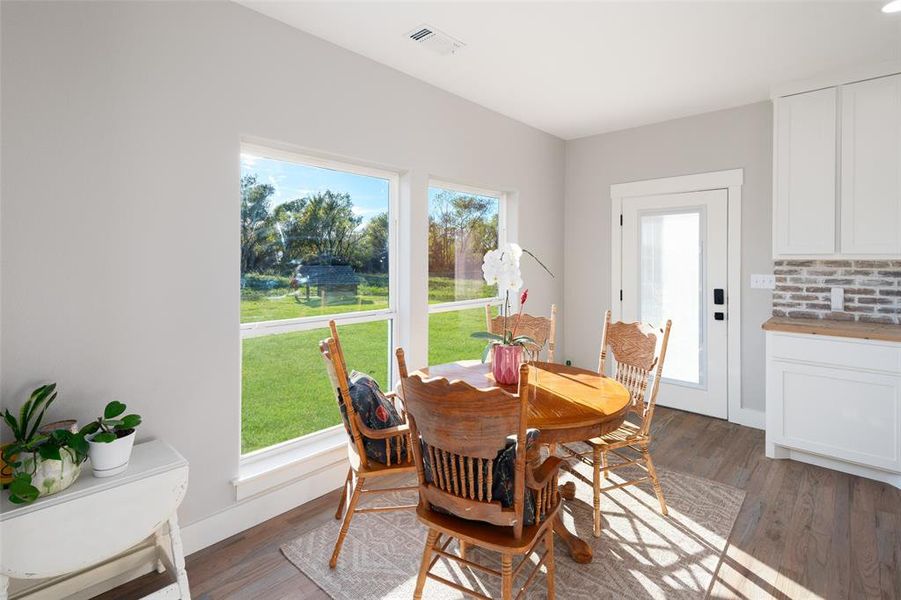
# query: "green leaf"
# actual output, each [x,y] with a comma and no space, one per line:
[113,410]
[90,428]
[521,340]
[131,421]
[46,399]
[112,423]
[486,335]
[21,491]
[49,452]
[12,424]
[104,438]
[79,445]
[487,351]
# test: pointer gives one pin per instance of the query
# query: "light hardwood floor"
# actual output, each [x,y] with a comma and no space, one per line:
[802,532]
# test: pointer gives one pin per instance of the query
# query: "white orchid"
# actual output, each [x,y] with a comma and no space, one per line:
[501,267]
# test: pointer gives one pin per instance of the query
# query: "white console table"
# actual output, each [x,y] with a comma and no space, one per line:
[96,520]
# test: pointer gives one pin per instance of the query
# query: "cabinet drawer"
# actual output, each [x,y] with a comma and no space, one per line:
[837,352]
[849,415]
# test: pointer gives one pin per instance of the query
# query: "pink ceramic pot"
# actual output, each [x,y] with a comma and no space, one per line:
[505,364]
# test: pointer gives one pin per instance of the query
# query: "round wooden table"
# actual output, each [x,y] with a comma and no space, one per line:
[569,405]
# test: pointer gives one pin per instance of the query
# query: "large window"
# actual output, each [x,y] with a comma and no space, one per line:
[464,223]
[316,244]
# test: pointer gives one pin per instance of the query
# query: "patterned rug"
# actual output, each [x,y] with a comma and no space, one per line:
[640,554]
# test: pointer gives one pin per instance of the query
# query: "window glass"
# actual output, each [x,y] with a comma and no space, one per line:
[284,387]
[449,335]
[314,241]
[315,244]
[462,228]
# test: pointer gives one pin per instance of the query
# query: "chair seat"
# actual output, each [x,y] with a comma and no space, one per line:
[627,433]
[373,468]
[486,535]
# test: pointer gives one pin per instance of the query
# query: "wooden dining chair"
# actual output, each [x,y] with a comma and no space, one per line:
[397,444]
[463,431]
[541,329]
[634,349]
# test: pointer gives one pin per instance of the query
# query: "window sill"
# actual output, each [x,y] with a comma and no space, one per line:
[270,468]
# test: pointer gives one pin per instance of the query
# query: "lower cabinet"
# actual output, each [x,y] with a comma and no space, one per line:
[835,402]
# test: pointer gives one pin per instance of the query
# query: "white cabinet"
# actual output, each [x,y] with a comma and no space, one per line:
[871,166]
[804,208]
[835,402]
[837,168]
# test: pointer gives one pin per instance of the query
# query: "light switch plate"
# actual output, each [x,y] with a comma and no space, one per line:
[763,282]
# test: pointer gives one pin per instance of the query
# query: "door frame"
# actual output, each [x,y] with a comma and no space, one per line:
[731,181]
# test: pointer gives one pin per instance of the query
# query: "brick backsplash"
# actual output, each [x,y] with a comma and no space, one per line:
[872,289]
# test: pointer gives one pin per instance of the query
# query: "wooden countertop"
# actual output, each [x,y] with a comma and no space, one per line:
[849,329]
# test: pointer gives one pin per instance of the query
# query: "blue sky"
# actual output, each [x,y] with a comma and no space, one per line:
[292,180]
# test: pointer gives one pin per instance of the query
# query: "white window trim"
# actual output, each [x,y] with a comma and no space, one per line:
[501,198]
[276,465]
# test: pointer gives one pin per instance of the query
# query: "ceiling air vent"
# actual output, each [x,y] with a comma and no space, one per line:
[435,40]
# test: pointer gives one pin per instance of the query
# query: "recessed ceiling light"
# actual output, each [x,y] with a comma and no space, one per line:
[892,7]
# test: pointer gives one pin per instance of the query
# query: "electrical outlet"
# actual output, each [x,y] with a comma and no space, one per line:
[837,299]
[763,282]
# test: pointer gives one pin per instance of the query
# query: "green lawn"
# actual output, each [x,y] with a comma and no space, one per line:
[284,303]
[285,392]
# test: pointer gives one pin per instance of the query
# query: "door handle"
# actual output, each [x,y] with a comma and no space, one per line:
[719,296]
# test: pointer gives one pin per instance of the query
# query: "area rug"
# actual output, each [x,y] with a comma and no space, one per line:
[641,554]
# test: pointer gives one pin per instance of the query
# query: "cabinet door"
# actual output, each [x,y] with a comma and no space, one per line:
[871,167]
[845,414]
[805,165]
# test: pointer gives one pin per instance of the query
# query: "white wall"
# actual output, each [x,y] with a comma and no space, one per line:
[121,126]
[728,139]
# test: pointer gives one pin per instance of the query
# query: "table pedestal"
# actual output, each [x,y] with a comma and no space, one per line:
[579,550]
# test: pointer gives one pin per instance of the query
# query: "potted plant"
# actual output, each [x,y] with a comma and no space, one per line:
[42,462]
[110,440]
[501,267]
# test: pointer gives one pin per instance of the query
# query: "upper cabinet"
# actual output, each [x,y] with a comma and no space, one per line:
[804,212]
[837,170]
[871,167]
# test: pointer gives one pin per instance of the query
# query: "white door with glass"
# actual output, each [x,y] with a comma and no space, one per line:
[674,266]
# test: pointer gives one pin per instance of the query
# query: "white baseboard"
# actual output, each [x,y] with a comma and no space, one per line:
[252,511]
[748,417]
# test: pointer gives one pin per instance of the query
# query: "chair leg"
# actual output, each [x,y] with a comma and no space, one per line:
[463,549]
[507,577]
[596,480]
[341,502]
[430,542]
[549,562]
[351,507]
[652,472]
[604,464]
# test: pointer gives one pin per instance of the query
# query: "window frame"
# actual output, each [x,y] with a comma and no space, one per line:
[288,452]
[501,198]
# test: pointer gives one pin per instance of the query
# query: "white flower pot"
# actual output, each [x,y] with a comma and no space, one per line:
[49,476]
[110,458]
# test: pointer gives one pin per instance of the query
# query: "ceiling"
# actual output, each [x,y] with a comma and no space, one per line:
[575,69]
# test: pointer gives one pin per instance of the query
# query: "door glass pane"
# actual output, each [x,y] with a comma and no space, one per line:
[671,284]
